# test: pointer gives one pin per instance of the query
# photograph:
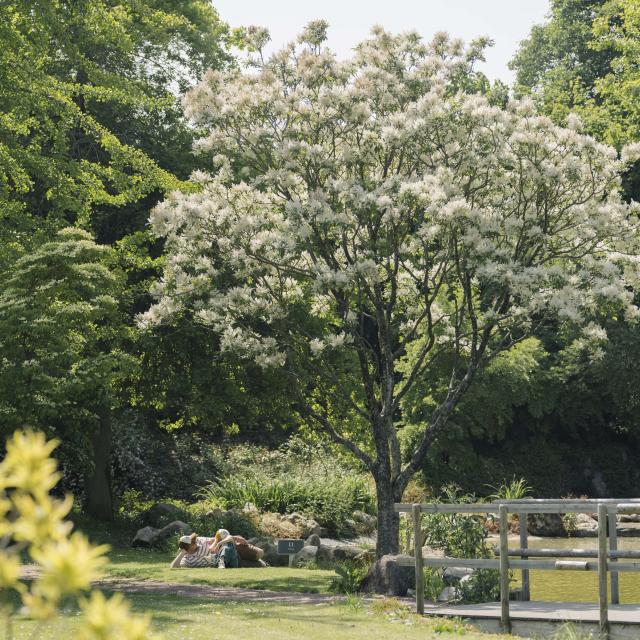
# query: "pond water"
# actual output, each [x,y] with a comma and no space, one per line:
[577,586]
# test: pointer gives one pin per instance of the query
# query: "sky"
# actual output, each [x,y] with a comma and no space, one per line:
[506,21]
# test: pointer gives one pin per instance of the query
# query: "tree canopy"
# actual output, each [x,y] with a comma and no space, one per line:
[403,220]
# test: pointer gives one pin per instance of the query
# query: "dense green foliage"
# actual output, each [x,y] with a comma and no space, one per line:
[288,480]
[93,135]
[550,403]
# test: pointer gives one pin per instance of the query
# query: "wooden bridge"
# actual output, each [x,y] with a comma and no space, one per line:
[525,617]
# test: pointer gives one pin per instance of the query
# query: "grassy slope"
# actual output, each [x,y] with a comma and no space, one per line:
[194,618]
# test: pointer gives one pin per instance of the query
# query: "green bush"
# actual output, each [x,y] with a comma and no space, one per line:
[330,502]
[298,477]
[349,576]
[203,517]
[457,534]
[462,536]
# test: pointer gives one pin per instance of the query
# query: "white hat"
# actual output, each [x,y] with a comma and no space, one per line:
[186,539]
[222,533]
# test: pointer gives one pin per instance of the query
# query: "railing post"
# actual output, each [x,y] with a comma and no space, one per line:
[613,546]
[602,571]
[504,570]
[524,544]
[417,543]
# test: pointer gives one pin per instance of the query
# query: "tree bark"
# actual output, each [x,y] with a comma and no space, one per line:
[388,519]
[98,499]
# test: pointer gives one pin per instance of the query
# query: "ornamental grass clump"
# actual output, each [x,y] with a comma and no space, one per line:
[329,501]
[33,525]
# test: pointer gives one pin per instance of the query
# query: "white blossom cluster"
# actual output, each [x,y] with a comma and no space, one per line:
[374,187]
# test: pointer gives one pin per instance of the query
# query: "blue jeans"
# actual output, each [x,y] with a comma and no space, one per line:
[230,555]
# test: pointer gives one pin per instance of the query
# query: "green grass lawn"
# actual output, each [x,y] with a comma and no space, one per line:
[154,565]
[180,618]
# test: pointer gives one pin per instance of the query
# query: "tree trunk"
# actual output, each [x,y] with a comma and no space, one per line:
[388,519]
[98,500]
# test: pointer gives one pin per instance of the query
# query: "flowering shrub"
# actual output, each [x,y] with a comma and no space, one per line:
[33,523]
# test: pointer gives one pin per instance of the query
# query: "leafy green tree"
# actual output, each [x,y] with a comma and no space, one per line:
[60,337]
[90,116]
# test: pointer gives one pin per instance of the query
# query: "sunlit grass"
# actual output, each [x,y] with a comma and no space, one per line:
[180,618]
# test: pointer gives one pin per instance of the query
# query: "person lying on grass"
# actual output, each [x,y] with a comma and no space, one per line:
[247,552]
[196,551]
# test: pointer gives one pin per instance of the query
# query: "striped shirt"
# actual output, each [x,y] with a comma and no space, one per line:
[199,558]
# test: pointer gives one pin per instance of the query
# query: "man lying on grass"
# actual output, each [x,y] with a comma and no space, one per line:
[222,551]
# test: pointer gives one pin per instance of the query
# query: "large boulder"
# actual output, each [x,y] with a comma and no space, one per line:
[145,537]
[161,514]
[308,526]
[545,524]
[386,576]
[585,526]
[449,594]
[153,537]
[305,556]
[313,540]
[346,552]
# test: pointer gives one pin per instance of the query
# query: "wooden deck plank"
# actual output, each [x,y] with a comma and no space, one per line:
[550,611]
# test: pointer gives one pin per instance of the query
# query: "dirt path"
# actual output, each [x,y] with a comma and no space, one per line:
[131,585]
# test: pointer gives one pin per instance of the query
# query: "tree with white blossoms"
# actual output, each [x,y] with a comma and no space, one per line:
[366,218]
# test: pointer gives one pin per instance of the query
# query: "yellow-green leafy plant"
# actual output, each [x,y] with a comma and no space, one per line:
[33,526]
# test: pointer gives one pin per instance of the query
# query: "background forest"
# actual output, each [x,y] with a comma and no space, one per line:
[93,135]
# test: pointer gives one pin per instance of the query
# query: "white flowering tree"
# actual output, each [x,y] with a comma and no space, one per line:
[366,218]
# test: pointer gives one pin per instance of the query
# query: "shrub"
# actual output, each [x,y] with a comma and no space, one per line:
[516,489]
[463,536]
[458,535]
[349,576]
[483,586]
[433,583]
[297,477]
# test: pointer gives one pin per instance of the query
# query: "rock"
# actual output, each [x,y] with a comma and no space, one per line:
[545,524]
[145,537]
[386,576]
[365,523]
[629,517]
[453,575]
[466,579]
[449,594]
[325,555]
[308,526]
[585,526]
[305,556]
[271,556]
[216,513]
[150,536]
[161,514]
[177,526]
[346,552]
[313,540]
